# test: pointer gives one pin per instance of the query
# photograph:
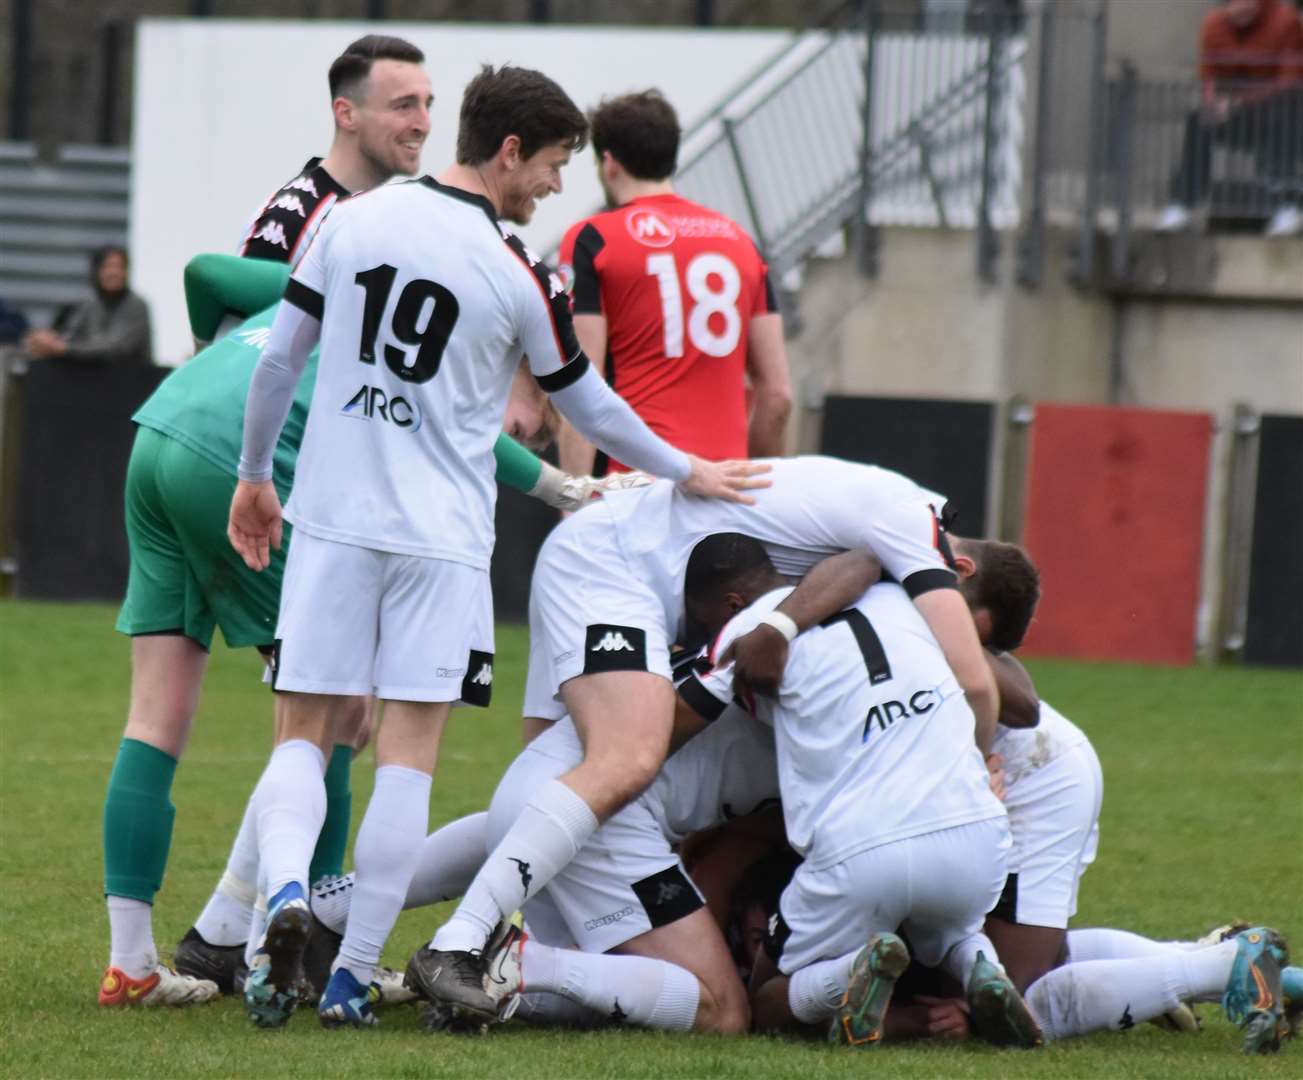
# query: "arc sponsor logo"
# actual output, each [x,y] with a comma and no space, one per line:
[256,338]
[370,402]
[649,228]
[886,713]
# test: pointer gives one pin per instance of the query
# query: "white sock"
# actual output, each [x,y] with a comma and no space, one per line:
[331,899]
[555,1010]
[551,829]
[815,991]
[257,924]
[446,864]
[630,989]
[225,918]
[960,959]
[1100,995]
[131,936]
[290,806]
[448,861]
[1102,943]
[385,854]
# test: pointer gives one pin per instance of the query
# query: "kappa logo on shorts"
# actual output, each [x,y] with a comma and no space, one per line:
[484,677]
[614,648]
[667,896]
[477,686]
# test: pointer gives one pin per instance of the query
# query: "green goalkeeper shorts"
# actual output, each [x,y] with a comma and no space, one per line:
[185,576]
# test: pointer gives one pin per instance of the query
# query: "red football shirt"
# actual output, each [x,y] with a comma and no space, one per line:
[678,285]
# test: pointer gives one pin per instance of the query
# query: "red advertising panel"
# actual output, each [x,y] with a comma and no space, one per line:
[1115,519]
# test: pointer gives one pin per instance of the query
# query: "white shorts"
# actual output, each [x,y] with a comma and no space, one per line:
[938,887]
[623,882]
[1054,819]
[588,613]
[358,621]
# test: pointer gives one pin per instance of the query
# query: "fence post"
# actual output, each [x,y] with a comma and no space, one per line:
[1031,246]
[1094,165]
[757,230]
[988,244]
[864,235]
[20,64]
[1237,550]
[1121,132]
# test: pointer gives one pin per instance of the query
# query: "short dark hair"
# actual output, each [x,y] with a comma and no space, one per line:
[353,65]
[722,563]
[101,254]
[641,131]
[516,101]
[1007,584]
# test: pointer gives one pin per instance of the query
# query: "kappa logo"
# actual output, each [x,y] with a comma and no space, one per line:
[289,202]
[525,876]
[371,401]
[256,339]
[566,273]
[613,641]
[273,233]
[649,228]
[303,183]
[484,677]
[667,891]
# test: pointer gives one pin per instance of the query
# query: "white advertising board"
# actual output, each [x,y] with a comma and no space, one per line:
[227,110]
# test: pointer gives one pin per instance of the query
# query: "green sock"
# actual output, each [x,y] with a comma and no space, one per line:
[138,815]
[328,857]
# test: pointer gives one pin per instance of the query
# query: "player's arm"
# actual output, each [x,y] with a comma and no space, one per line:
[255,520]
[1020,706]
[580,249]
[951,623]
[575,453]
[220,285]
[830,586]
[771,386]
[547,334]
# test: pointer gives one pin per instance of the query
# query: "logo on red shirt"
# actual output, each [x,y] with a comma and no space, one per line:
[649,228]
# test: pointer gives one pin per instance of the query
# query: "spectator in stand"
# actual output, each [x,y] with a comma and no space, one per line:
[1251,67]
[111,327]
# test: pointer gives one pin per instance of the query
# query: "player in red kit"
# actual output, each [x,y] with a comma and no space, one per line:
[674,300]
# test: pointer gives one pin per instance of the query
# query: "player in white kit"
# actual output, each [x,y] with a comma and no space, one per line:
[885,794]
[424,303]
[606,602]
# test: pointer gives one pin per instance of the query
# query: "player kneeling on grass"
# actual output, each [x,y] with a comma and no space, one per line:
[884,794]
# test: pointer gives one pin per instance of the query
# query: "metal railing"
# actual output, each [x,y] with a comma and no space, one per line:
[1239,158]
[943,118]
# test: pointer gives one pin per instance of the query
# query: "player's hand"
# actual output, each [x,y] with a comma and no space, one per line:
[758,658]
[255,522]
[947,1018]
[726,479]
[995,769]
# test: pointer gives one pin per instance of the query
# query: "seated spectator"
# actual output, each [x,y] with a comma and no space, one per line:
[1251,66]
[112,327]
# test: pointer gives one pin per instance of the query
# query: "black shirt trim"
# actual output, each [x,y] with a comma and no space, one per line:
[305,299]
[700,700]
[564,376]
[923,581]
[588,290]
[462,194]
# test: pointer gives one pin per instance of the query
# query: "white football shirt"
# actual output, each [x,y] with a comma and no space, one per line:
[426,305]
[874,737]
[1027,750]
[816,507]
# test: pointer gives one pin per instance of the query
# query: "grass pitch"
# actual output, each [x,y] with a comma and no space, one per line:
[1203,804]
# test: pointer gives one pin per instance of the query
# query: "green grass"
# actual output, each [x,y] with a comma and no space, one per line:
[1202,811]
